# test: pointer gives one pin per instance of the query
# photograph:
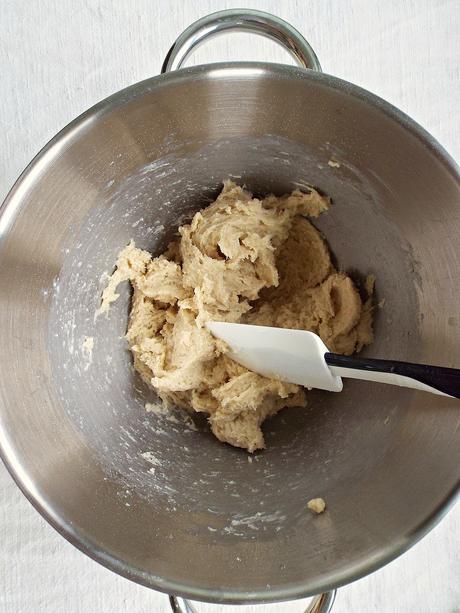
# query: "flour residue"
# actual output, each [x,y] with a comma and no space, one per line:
[257,521]
[151,458]
[87,348]
[160,409]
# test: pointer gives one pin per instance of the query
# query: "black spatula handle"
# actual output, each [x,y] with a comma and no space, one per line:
[445,380]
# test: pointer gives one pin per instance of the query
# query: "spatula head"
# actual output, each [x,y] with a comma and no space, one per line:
[295,356]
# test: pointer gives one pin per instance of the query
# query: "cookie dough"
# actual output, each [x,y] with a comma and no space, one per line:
[316,505]
[241,259]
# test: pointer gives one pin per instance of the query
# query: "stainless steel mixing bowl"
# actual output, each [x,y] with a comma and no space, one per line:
[159,500]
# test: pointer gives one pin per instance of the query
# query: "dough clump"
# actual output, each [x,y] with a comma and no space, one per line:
[317,505]
[241,259]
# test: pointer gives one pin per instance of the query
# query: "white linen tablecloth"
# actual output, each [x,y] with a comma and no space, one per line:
[57,58]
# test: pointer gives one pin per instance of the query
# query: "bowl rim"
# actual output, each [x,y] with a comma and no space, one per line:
[7,213]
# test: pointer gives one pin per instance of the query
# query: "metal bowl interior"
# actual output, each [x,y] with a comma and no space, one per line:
[195,517]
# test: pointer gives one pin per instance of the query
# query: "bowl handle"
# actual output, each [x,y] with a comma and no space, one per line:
[241,20]
[320,604]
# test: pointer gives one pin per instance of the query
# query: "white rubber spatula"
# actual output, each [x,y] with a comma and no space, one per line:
[301,357]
